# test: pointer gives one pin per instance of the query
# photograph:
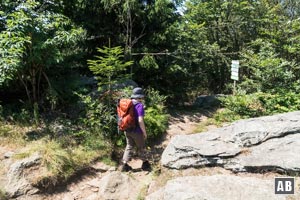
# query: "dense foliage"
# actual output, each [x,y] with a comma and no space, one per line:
[258,104]
[189,44]
[35,40]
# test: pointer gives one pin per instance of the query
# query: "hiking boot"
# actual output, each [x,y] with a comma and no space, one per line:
[126,168]
[146,166]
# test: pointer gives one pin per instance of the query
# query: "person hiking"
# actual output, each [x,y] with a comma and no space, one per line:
[138,135]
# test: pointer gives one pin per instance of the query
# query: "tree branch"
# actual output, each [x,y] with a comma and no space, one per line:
[25,86]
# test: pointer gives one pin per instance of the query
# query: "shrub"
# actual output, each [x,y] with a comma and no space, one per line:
[280,102]
[12,136]
[156,122]
[156,119]
[95,141]
[99,117]
[244,105]
[259,104]
[16,114]
[225,115]
[153,98]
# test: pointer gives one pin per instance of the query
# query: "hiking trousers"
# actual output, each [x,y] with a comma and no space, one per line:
[131,140]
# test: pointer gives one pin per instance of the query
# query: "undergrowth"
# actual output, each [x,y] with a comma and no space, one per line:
[70,144]
[243,106]
[60,163]
[12,136]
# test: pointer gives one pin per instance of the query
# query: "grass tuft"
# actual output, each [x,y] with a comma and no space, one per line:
[59,163]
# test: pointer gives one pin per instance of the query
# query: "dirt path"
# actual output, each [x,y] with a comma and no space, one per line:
[182,123]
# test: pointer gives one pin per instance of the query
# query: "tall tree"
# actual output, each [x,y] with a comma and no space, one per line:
[35,40]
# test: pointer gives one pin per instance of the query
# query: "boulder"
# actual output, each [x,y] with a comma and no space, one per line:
[207,101]
[117,185]
[18,184]
[218,187]
[269,143]
[278,154]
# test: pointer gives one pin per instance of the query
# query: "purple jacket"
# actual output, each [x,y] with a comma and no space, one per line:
[138,112]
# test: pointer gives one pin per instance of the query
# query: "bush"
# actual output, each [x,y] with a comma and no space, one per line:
[244,105]
[156,122]
[280,102]
[225,115]
[17,114]
[156,119]
[259,104]
[94,141]
[99,117]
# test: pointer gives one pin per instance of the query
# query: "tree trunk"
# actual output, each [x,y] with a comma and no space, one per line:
[33,80]
[26,88]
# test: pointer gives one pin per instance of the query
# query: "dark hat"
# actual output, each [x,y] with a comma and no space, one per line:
[137,93]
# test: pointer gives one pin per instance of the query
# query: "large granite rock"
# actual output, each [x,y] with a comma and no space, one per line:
[269,143]
[218,187]
[278,154]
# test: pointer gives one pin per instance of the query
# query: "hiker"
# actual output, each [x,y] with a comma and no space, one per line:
[138,135]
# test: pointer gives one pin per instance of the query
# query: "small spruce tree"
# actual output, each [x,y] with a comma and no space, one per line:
[107,67]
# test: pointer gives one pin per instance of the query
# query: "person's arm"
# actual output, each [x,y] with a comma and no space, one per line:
[142,126]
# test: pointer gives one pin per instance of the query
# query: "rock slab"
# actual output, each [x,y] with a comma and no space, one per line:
[269,143]
[218,187]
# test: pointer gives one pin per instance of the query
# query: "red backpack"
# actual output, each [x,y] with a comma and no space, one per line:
[126,118]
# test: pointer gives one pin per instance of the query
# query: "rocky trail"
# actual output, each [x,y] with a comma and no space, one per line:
[238,161]
[87,185]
